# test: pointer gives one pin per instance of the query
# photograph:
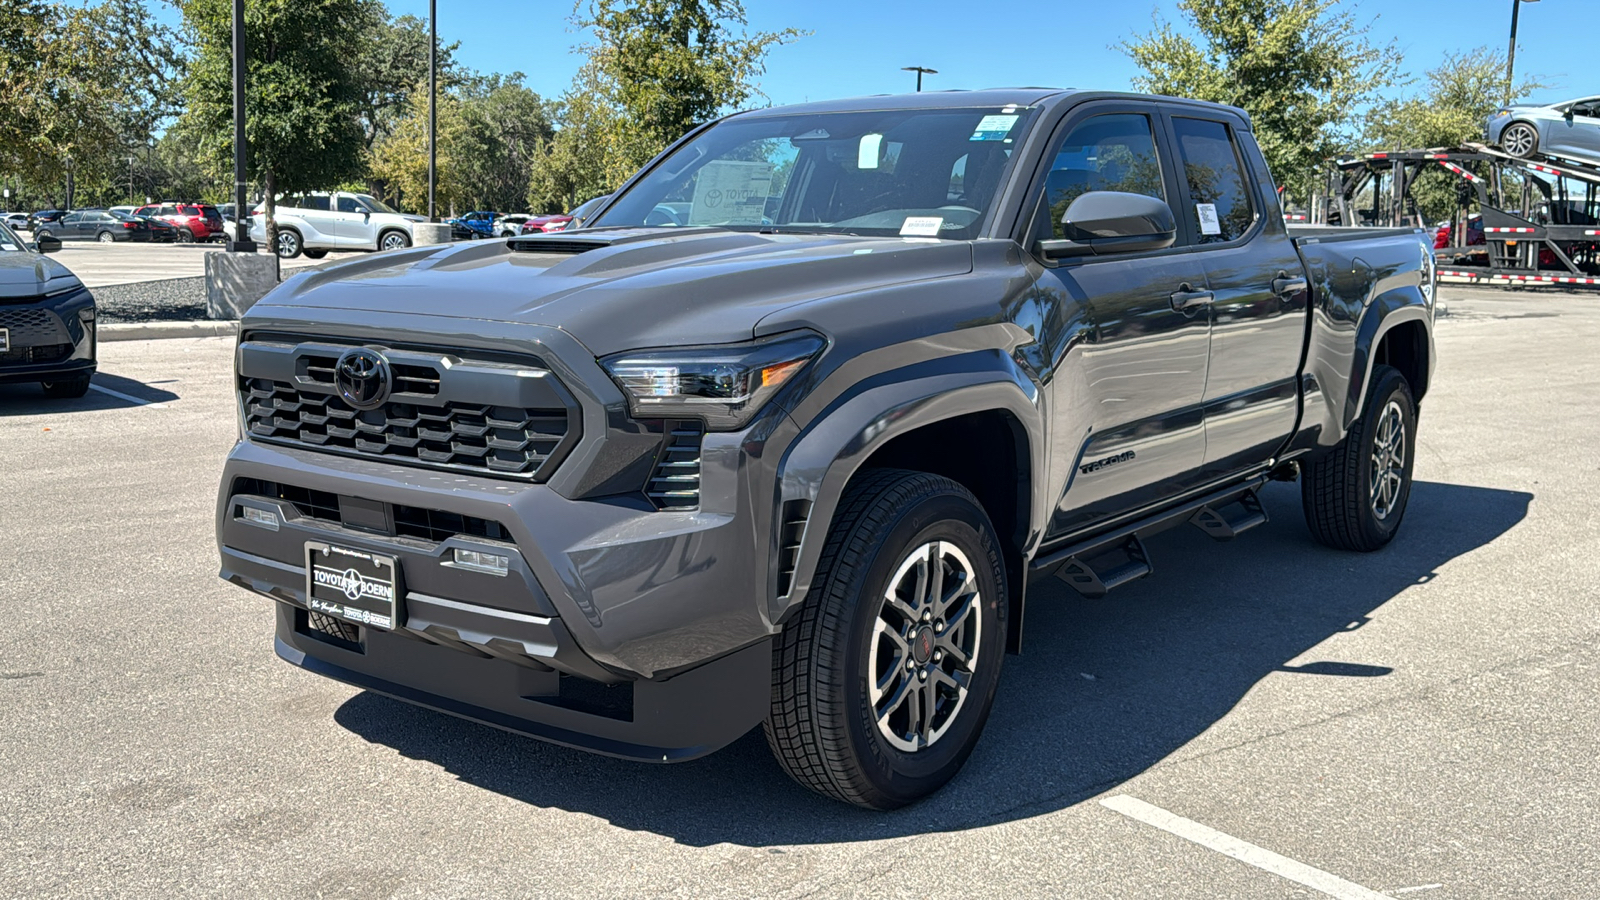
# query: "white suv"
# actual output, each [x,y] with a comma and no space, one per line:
[320,221]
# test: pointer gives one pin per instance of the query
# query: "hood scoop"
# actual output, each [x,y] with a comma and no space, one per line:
[554,245]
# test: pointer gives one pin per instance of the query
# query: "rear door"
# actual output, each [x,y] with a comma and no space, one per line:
[322,227]
[1258,308]
[1124,369]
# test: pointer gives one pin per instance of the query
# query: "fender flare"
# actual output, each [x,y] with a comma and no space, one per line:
[1386,312]
[819,464]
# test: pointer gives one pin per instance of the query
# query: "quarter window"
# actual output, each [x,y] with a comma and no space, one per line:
[1219,207]
[1115,152]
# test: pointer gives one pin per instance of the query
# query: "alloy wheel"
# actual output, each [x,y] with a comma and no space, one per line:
[288,244]
[1518,140]
[924,646]
[394,240]
[1388,460]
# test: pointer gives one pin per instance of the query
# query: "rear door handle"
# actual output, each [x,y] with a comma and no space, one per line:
[1186,298]
[1283,284]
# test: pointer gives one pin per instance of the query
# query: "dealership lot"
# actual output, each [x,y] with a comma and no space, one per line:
[1418,723]
[100,265]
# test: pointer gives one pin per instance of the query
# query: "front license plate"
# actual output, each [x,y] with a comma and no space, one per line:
[353,585]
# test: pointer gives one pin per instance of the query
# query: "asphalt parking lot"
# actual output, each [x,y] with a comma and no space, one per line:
[101,265]
[1420,722]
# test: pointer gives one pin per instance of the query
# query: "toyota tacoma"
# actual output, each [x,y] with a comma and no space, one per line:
[783,435]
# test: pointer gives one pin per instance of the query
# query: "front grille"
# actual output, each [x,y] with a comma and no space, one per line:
[675,481]
[492,440]
[50,353]
[33,327]
[433,525]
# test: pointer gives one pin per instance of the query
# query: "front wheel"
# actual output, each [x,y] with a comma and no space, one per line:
[394,240]
[1520,140]
[883,681]
[1355,496]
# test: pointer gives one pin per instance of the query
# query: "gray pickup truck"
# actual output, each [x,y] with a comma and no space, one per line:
[785,432]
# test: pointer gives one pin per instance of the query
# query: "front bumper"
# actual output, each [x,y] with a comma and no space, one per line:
[48,338]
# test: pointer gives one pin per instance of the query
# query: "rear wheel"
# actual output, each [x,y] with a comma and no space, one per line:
[1355,496]
[289,245]
[1519,139]
[106,237]
[883,681]
[185,236]
[73,387]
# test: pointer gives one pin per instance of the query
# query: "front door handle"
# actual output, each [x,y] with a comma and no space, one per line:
[1283,284]
[1186,298]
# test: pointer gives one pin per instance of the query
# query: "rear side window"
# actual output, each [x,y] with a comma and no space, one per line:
[317,203]
[1115,152]
[1219,207]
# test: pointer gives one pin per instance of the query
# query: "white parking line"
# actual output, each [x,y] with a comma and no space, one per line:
[131,399]
[1244,851]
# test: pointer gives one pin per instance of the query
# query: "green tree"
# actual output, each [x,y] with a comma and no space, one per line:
[302,92]
[1301,68]
[401,158]
[393,64]
[657,69]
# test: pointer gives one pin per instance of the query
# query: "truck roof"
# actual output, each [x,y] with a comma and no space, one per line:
[957,99]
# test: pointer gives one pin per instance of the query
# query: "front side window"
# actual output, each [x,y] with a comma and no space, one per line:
[71,218]
[348,204]
[1115,152]
[1219,207]
[880,173]
[374,204]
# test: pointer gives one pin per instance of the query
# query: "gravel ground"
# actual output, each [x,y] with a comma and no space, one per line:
[170,300]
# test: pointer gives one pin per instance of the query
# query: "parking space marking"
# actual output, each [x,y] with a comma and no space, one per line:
[128,397]
[1244,851]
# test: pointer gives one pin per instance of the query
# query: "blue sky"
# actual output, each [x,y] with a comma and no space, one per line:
[858,47]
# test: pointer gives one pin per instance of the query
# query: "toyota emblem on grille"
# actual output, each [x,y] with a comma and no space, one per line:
[363,378]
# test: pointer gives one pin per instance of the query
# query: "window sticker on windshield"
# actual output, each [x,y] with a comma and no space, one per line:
[8,247]
[730,192]
[1208,218]
[867,156]
[921,226]
[993,128]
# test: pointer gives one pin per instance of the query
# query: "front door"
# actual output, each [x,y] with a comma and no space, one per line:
[1125,368]
[1258,310]
[354,222]
[1578,135]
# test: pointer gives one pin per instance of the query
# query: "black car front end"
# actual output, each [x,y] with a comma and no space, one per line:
[47,337]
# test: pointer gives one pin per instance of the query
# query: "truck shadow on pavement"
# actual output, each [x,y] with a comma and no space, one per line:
[1104,690]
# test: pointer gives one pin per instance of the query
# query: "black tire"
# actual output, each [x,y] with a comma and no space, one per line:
[393,240]
[106,237]
[42,233]
[68,389]
[315,254]
[1344,506]
[823,726]
[289,243]
[184,236]
[1520,139]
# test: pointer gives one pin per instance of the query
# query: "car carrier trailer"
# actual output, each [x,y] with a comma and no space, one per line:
[1540,215]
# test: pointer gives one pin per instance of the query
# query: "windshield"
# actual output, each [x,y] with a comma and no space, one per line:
[376,205]
[9,242]
[915,172]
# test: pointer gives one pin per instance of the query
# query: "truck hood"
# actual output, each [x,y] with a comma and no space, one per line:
[27,274]
[623,289]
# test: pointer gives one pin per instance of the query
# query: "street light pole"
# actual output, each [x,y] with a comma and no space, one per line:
[241,242]
[920,70]
[130,181]
[433,90]
[1511,55]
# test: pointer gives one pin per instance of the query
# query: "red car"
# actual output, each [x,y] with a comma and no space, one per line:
[559,222]
[193,221]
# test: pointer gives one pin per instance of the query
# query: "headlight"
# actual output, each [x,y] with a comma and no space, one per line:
[724,385]
[1501,114]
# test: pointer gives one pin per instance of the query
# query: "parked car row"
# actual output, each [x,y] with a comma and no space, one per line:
[487,224]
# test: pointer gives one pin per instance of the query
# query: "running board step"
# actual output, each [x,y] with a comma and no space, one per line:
[1093,583]
[1216,523]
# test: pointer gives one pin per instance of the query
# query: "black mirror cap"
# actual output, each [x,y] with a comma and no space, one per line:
[48,243]
[1102,222]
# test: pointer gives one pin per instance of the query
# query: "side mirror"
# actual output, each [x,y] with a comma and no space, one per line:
[1567,114]
[1104,222]
[47,243]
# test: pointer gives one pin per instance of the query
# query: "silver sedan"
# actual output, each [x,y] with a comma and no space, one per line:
[1570,129]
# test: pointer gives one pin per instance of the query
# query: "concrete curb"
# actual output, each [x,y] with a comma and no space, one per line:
[149,331]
